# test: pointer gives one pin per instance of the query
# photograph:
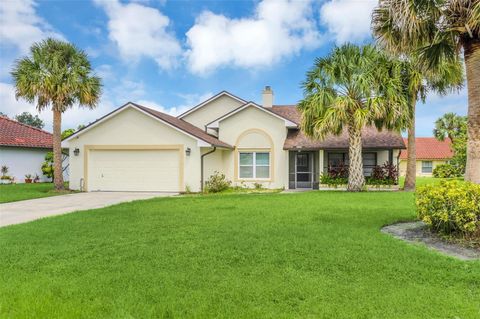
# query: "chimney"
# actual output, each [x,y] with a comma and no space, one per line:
[267,97]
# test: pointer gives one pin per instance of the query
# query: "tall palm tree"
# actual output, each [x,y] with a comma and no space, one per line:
[435,30]
[352,88]
[56,76]
[418,81]
[450,126]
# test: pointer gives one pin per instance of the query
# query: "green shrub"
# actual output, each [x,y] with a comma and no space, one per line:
[446,171]
[217,183]
[451,207]
[376,181]
[327,179]
[257,186]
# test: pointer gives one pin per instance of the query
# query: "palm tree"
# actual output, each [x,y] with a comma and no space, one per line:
[449,125]
[418,81]
[435,31]
[56,75]
[352,88]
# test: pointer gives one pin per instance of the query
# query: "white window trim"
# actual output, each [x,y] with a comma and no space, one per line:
[254,165]
[431,171]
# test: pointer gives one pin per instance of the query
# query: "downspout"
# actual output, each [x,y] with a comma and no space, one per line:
[201,166]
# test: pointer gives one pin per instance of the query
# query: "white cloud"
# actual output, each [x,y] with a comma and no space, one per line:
[71,118]
[9,104]
[189,101]
[278,29]
[141,31]
[21,26]
[348,20]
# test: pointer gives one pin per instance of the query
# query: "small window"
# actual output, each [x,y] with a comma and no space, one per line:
[254,165]
[337,159]
[369,159]
[427,166]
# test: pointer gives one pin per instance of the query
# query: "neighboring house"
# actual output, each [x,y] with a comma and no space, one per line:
[135,148]
[23,149]
[430,152]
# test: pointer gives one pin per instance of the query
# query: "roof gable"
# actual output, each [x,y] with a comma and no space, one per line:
[203,139]
[206,102]
[215,123]
[13,133]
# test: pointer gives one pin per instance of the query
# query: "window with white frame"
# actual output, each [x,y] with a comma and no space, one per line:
[427,166]
[254,165]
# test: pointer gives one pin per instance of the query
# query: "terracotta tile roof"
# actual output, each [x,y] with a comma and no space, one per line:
[185,126]
[13,133]
[429,148]
[371,137]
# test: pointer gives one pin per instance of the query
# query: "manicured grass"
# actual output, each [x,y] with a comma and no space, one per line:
[16,192]
[303,255]
[422,181]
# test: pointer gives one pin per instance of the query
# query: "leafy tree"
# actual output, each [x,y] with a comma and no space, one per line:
[352,88]
[435,31]
[66,133]
[30,119]
[48,164]
[56,76]
[418,82]
[451,126]
[459,159]
[3,114]
[454,127]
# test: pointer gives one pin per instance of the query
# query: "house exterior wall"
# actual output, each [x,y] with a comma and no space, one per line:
[249,130]
[435,163]
[213,162]
[22,161]
[212,111]
[132,128]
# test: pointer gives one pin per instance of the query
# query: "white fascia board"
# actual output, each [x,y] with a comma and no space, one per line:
[213,98]
[215,124]
[129,105]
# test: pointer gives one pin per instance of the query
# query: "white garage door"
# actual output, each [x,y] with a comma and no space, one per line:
[134,170]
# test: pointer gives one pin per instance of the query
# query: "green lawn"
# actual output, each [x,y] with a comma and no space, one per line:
[16,192]
[422,181]
[303,255]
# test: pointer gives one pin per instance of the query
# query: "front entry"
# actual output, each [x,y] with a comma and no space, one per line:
[302,169]
[304,165]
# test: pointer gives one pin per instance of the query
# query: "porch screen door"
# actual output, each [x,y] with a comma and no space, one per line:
[304,166]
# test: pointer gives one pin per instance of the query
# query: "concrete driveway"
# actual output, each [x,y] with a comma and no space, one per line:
[28,210]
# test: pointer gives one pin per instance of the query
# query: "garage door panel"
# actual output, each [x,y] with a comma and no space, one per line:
[134,170]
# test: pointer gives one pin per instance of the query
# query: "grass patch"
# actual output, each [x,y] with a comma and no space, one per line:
[422,181]
[303,255]
[16,192]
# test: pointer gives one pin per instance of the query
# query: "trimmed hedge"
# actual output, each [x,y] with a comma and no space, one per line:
[450,208]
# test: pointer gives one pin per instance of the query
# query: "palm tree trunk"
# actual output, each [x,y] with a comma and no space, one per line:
[472,63]
[356,180]
[57,150]
[411,175]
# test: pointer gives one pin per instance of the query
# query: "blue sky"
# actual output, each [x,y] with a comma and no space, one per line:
[171,55]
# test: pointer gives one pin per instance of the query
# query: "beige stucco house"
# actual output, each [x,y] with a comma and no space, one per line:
[429,153]
[135,148]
